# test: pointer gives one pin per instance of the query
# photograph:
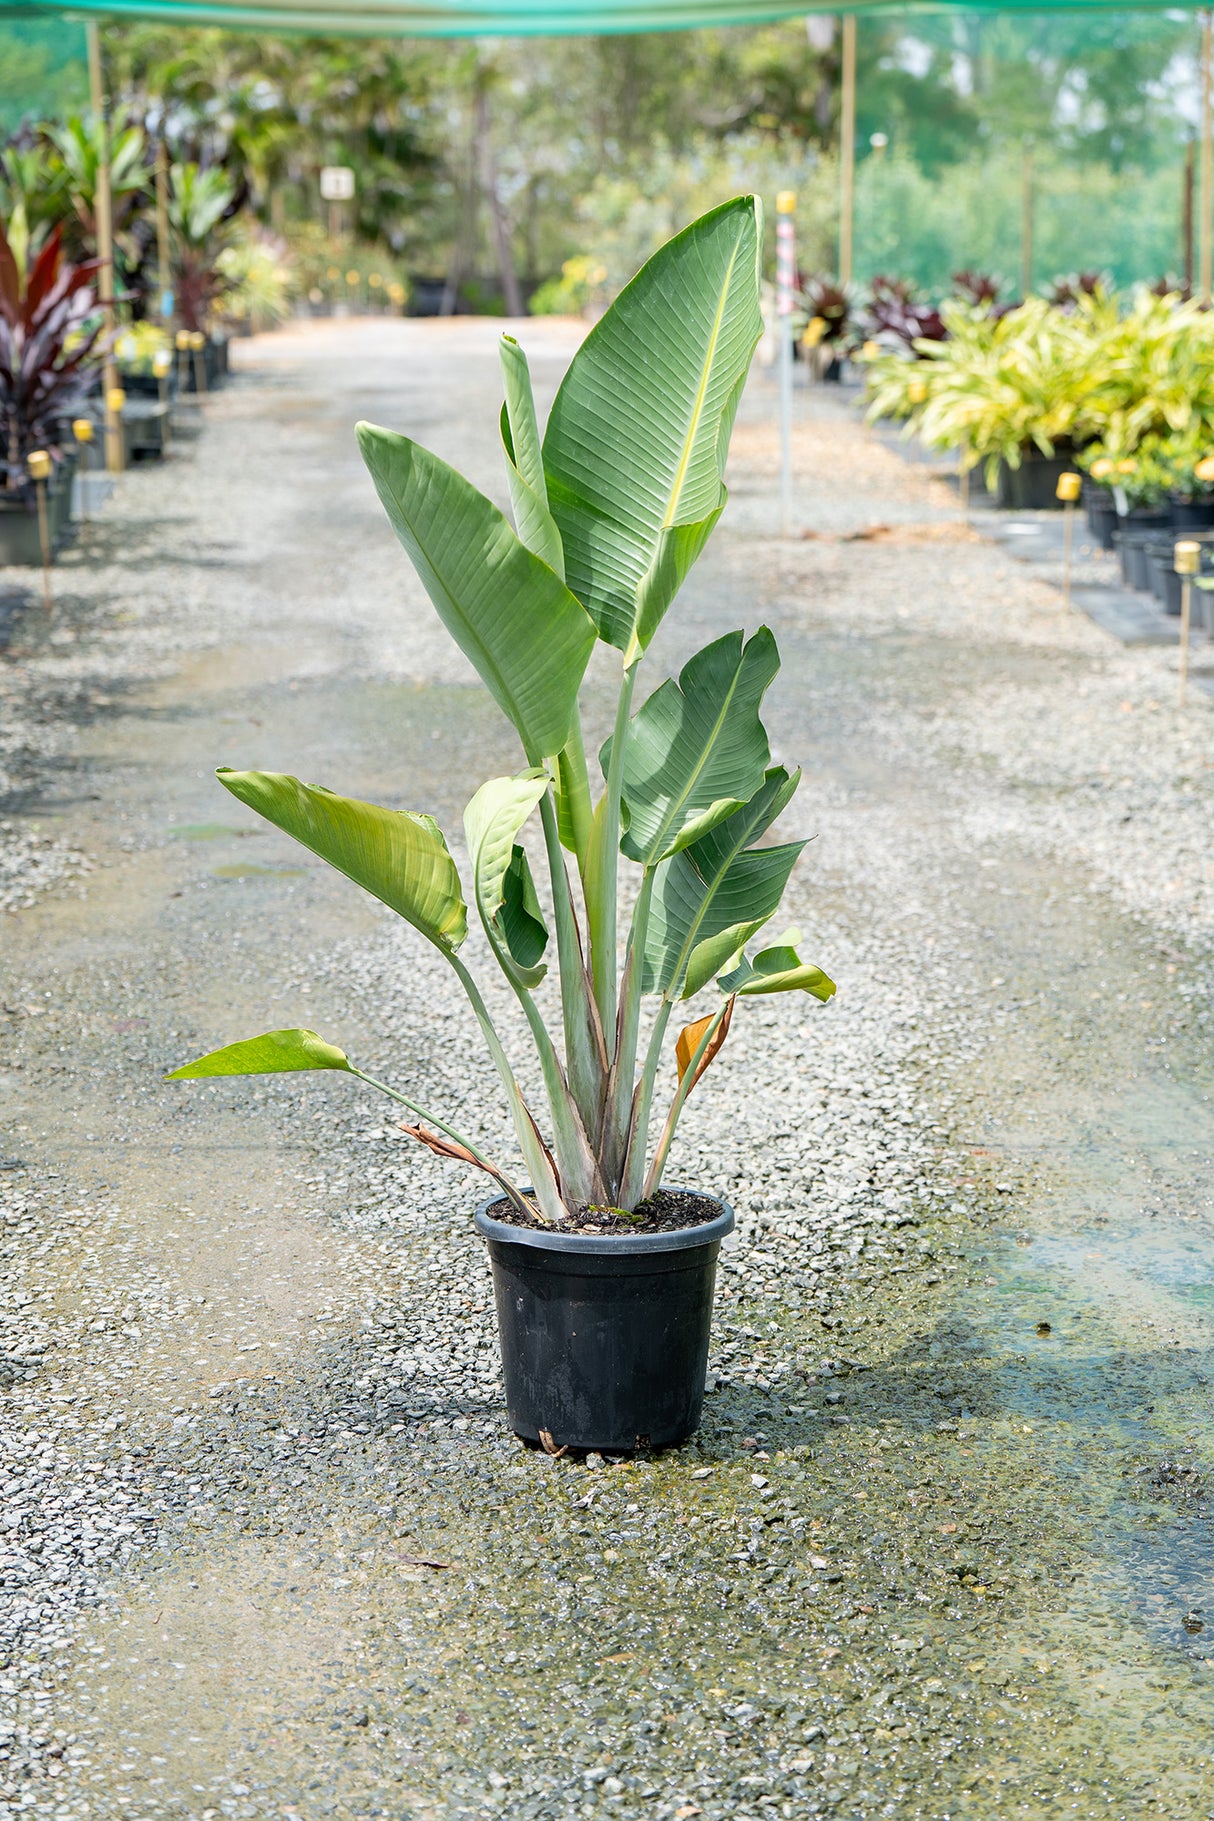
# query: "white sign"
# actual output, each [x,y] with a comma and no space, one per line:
[337,183]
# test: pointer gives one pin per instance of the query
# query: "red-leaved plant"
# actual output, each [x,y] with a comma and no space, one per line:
[46,347]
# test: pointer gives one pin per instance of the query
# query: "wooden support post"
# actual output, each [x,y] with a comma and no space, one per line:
[1186,219]
[105,244]
[163,258]
[847,151]
[1026,220]
[1205,192]
[1186,561]
[1068,490]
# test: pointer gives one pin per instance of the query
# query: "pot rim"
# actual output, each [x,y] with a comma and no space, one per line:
[624,1245]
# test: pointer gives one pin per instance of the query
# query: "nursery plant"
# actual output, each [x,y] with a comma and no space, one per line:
[47,341]
[255,268]
[831,303]
[612,507]
[893,317]
[200,202]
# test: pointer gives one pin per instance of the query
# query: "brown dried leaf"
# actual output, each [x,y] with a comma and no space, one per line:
[690,1038]
[442,1147]
[550,1447]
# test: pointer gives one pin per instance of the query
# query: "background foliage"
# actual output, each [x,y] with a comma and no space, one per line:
[490,165]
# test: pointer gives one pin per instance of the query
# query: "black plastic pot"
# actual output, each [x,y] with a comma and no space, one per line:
[1033,486]
[1160,558]
[20,536]
[1101,509]
[1195,513]
[1130,538]
[604,1338]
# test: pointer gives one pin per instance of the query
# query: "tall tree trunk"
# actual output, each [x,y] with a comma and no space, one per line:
[463,253]
[501,227]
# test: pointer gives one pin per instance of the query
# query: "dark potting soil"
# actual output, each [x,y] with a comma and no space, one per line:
[663,1212]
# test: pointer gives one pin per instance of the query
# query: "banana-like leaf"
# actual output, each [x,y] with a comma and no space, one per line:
[502,882]
[697,750]
[710,898]
[527,636]
[690,1038]
[399,857]
[636,443]
[275,1053]
[778,969]
[525,462]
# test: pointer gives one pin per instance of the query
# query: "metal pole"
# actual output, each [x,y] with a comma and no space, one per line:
[786,278]
[1026,222]
[1186,220]
[105,246]
[847,150]
[1186,614]
[1205,200]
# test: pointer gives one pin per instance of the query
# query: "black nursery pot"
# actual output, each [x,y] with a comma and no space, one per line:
[1033,486]
[1101,512]
[1192,512]
[604,1338]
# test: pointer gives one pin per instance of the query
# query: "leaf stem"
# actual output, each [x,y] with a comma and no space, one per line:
[622,1079]
[638,1138]
[490,1168]
[653,1180]
[582,1055]
[603,869]
[546,1192]
[574,783]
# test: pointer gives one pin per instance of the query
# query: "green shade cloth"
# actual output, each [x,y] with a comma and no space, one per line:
[516,18]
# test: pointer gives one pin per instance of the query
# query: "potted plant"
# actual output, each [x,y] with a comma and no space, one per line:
[1098,501]
[1139,483]
[826,301]
[138,351]
[1189,460]
[200,204]
[603,1276]
[895,319]
[46,344]
[1010,392]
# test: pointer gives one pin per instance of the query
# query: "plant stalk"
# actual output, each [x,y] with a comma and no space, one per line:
[583,1057]
[490,1168]
[653,1180]
[602,870]
[622,1079]
[546,1192]
[638,1137]
[574,779]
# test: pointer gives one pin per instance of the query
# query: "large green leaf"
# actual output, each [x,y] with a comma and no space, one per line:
[710,898]
[778,969]
[527,636]
[501,877]
[399,857]
[636,443]
[697,749]
[525,461]
[274,1053]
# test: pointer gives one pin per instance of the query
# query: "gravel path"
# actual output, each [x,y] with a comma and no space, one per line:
[942,1547]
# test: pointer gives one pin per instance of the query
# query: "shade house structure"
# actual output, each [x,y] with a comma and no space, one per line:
[566,18]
